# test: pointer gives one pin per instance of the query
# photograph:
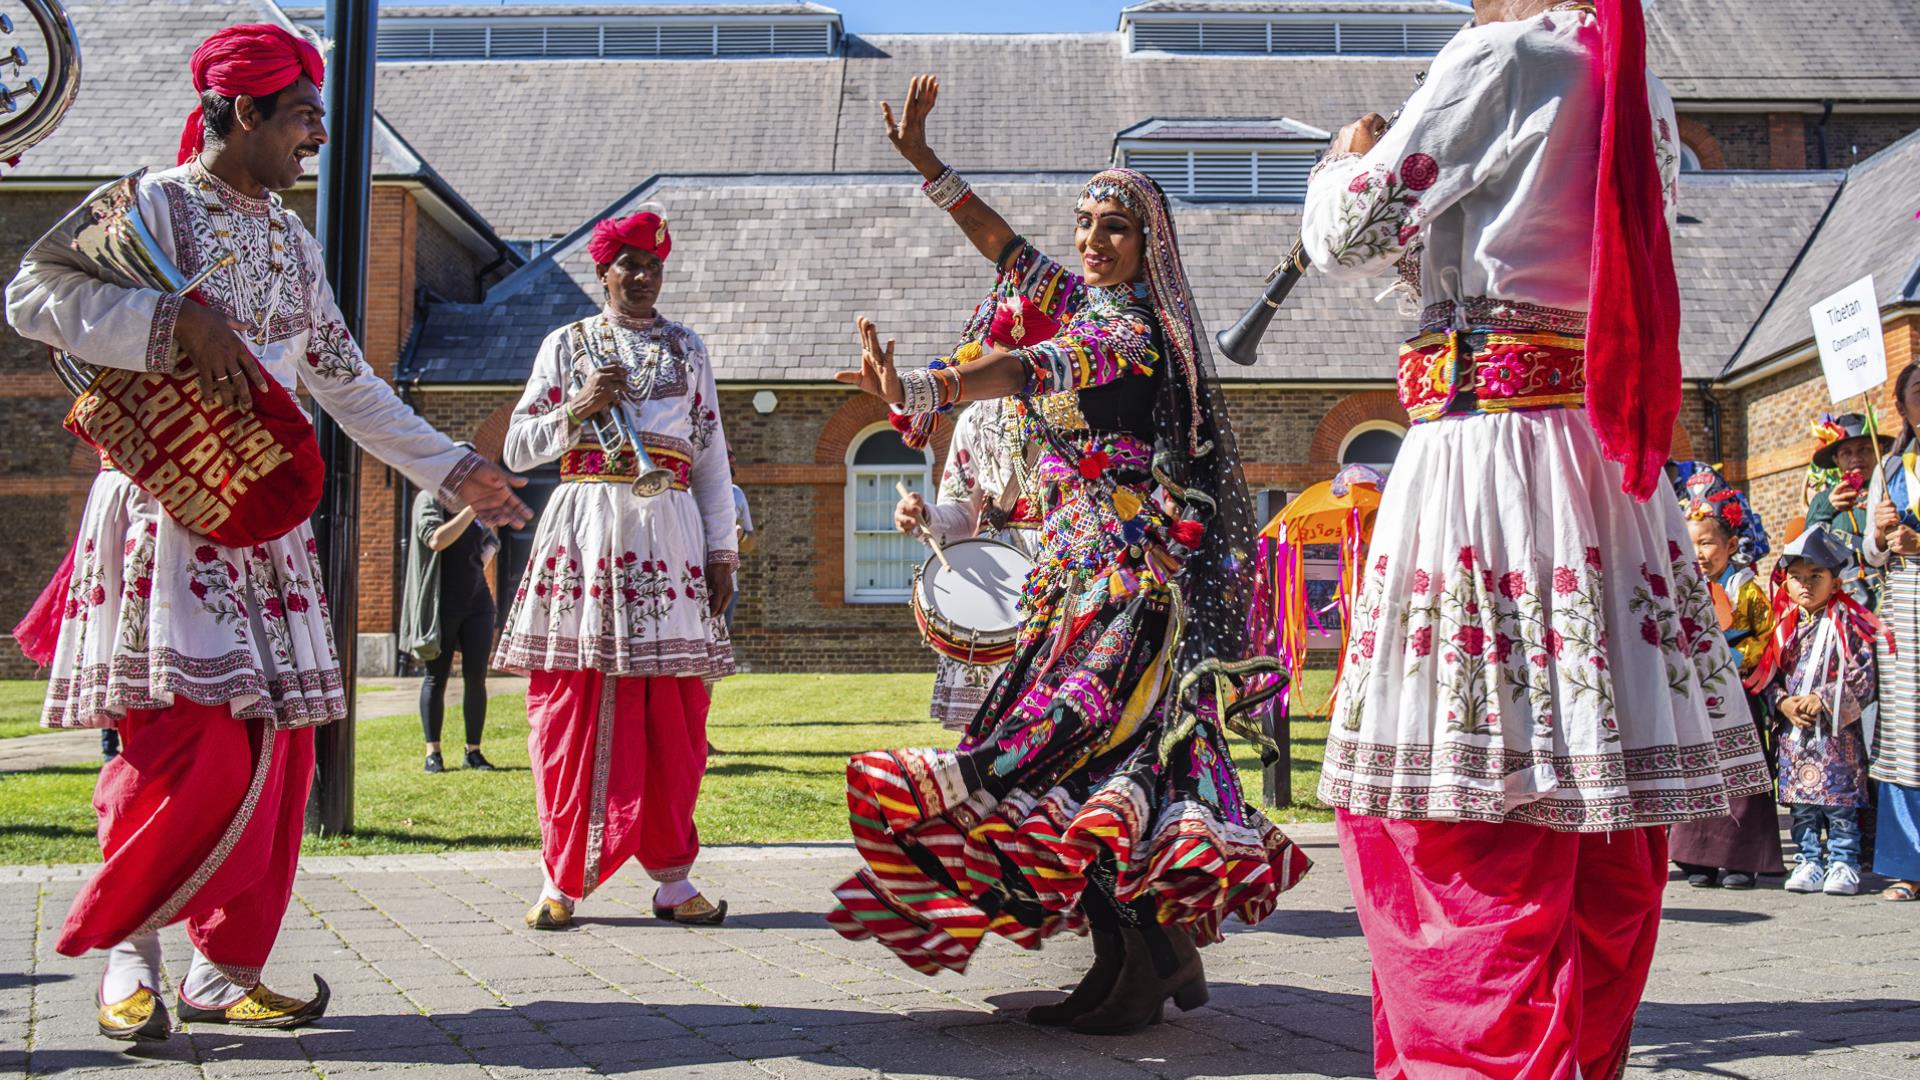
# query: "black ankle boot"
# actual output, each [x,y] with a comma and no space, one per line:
[1094,986]
[1141,991]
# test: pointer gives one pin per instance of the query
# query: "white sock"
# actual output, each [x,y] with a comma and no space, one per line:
[132,964]
[674,893]
[207,987]
[550,891]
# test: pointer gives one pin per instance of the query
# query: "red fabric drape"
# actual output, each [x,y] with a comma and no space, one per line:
[200,819]
[649,772]
[1504,949]
[1633,312]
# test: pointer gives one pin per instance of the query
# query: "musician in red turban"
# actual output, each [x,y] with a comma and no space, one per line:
[215,662]
[1536,685]
[618,624]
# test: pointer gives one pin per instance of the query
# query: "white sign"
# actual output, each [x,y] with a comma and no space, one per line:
[1847,327]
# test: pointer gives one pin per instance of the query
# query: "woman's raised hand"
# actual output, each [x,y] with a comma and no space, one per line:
[876,375]
[908,133]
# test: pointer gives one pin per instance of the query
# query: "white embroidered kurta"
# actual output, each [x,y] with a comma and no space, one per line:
[979,472]
[1531,643]
[616,582]
[154,610]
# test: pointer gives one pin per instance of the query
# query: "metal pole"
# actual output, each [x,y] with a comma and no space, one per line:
[346,201]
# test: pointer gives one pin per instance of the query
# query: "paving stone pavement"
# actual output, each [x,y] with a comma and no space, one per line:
[433,974]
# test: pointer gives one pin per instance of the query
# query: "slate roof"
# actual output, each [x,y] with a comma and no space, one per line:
[135,92]
[1203,7]
[771,270]
[1871,229]
[402,11]
[1236,129]
[1798,50]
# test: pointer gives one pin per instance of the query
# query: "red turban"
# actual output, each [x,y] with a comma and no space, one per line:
[645,230]
[255,59]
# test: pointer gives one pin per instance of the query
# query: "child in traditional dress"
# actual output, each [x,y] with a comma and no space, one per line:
[1817,677]
[1728,538]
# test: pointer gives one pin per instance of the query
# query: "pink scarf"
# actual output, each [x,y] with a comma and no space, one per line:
[1633,312]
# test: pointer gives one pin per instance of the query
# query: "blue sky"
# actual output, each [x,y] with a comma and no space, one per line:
[921,16]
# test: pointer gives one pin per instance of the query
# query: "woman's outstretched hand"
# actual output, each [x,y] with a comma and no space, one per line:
[876,375]
[908,133]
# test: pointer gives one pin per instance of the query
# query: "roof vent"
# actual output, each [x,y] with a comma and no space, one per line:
[612,37]
[1291,30]
[1259,160]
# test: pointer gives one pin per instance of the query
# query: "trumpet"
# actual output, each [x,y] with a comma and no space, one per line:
[1240,342]
[614,429]
[52,97]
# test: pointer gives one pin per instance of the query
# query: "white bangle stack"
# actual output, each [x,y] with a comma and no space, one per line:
[947,190]
[919,391]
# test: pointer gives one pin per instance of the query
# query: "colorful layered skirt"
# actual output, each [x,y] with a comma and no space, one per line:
[1078,765]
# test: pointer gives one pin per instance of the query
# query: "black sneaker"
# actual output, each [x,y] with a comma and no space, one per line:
[1703,880]
[434,764]
[475,760]
[1734,879]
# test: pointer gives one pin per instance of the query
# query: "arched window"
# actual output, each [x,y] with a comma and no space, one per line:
[1375,443]
[880,560]
[1689,160]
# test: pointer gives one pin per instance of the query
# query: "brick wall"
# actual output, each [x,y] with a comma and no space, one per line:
[1854,137]
[1744,140]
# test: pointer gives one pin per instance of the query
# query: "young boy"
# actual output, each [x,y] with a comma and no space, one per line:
[1730,852]
[1848,449]
[1817,677]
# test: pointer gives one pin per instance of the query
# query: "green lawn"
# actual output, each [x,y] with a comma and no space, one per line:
[20,707]
[783,742]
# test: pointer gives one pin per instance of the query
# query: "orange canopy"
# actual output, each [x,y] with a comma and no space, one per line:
[1318,516]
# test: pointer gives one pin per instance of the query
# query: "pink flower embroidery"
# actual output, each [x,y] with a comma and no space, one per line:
[1502,648]
[1656,582]
[1466,557]
[296,602]
[273,608]
[1421,582]
[143,586]
[1422,641]
[199,588]
[1419,171]
[1593,558]
[98,596]
[1360,183]
[1650,631]
[1513,584]
[1565,581]
[1366,645]
[1472,640]
[1555,643]
[204,553]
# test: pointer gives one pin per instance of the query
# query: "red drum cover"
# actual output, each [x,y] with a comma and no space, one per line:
[236,478]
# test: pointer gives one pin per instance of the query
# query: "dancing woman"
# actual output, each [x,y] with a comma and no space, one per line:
[1094,786]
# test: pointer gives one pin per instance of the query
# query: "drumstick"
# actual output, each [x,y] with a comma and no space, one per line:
[932,541]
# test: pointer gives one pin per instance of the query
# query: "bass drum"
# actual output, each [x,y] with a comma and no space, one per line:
[969,607]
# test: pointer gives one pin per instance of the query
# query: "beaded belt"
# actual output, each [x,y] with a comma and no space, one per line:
[593,465]
[1471,372]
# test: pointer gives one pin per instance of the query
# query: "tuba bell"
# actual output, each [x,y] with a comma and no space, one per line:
[46,99]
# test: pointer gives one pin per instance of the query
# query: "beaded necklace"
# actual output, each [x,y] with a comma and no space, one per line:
[651,351]
[213,193]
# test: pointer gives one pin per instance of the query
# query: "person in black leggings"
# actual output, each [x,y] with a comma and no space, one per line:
[461,548]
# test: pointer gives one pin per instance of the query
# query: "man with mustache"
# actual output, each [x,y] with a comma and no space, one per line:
[618,619]
[214,662]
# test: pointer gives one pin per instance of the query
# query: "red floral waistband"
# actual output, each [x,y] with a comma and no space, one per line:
[1472,372]
[594,465]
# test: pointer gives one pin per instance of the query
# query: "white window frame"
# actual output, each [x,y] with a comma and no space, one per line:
[1362,428]
[849,537]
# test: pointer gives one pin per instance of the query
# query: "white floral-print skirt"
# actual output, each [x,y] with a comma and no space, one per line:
[617,584]
[1533,645]
[155,611]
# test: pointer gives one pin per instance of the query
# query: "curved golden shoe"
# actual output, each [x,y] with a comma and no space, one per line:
[549,914]
[262,1008]
[138,1017]
[698,911]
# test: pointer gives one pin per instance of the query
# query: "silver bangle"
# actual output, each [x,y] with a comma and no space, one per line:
[947,189]
[919,392]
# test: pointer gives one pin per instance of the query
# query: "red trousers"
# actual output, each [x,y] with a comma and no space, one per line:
[1504,950]
[617,764]
[200,819]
